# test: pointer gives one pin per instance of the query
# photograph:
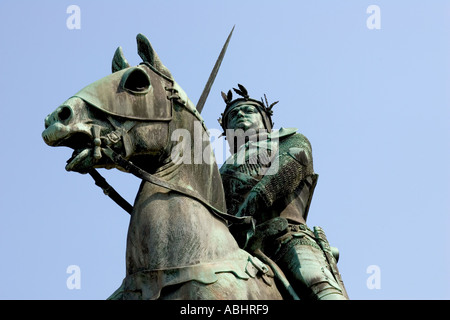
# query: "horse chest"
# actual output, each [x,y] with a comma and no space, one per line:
[167,229]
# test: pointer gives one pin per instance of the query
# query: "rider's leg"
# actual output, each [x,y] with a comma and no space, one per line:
[306,267]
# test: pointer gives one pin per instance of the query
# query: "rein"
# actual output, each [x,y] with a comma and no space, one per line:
[142,174]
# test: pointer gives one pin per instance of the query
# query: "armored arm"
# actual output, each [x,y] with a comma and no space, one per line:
[293,164]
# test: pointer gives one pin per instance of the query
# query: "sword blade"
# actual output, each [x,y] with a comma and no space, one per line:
[212,76]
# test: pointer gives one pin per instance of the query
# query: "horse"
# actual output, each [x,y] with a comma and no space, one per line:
[139,120]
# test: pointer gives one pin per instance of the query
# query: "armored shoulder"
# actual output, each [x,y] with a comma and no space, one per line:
[295,140]
[298,147]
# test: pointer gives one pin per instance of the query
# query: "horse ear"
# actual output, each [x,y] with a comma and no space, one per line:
[119,62]
[148,55]
[145,49]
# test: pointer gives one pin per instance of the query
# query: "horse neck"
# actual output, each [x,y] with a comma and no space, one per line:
[190,161]
[163,218]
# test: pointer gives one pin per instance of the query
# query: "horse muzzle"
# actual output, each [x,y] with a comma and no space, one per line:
[61,129]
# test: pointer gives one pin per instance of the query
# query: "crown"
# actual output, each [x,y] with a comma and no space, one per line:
[263,106]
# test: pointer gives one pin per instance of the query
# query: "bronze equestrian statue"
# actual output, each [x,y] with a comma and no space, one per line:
[179,244]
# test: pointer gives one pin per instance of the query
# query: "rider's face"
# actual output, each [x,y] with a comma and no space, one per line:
[245,117]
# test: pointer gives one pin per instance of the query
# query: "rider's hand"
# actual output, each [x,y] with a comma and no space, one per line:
[250,206]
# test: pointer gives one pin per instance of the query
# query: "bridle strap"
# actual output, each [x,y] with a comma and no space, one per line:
[142,174]
[109,191]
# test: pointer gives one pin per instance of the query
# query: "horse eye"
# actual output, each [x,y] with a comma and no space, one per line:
[137,81]
[64,113]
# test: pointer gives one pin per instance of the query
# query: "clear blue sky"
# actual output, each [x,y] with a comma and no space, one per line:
[373,102]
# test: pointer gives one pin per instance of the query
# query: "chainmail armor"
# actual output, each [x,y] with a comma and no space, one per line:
[293,168]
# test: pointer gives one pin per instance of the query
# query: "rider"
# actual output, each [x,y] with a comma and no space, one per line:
[270,177]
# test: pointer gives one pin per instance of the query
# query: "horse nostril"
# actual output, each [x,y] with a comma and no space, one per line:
[65,113]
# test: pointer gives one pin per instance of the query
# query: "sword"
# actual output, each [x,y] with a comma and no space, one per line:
[212,76]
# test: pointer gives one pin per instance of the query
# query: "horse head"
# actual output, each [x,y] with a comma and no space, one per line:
[121,110]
